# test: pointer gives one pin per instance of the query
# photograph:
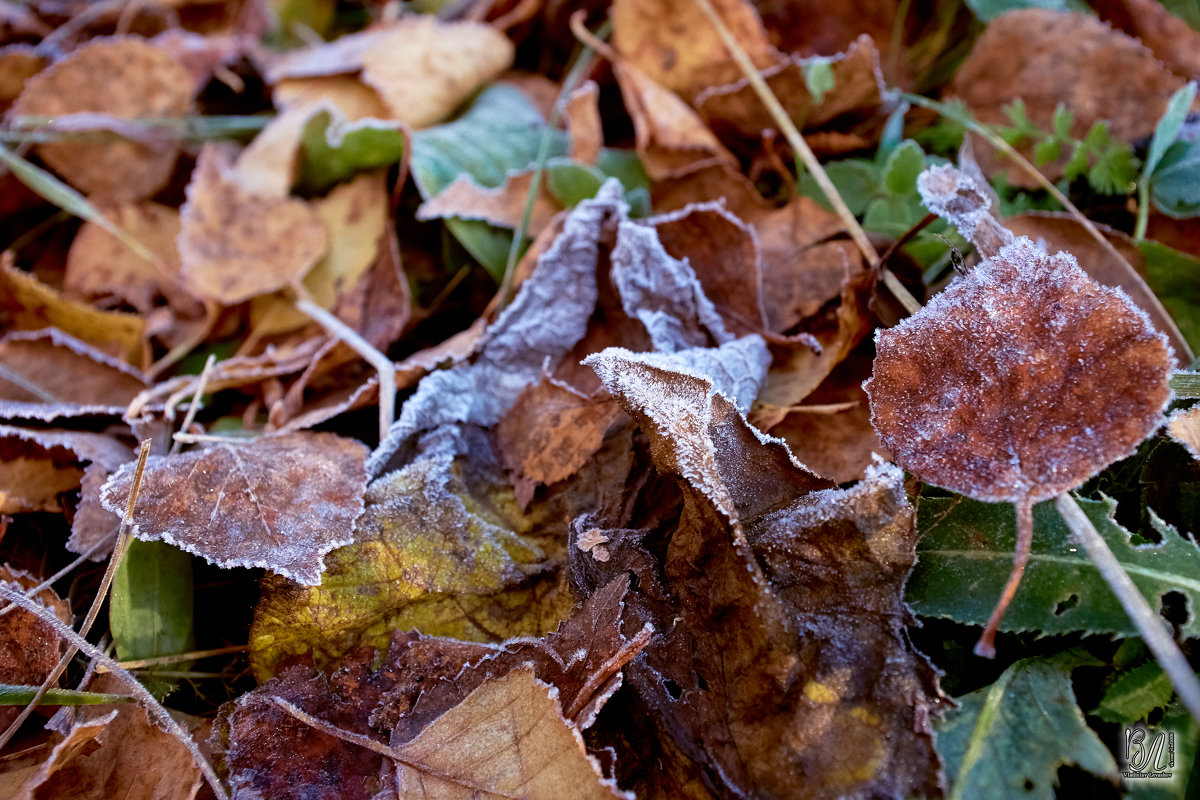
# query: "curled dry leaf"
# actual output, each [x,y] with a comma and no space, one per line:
[424,68]
[27,653]
[779,602]
[39,466]
[1021,55]
[235,245]
[582,112]
[280,502]
[123,77]
[1184,427]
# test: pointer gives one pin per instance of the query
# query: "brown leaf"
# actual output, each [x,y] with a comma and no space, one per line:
[27,652]
[93,524]
[50,374]
[424,68]
[38,466]
[677,47]
[1021,54]
[582,112]
[503,206]
[18,63]
[118,753]
[279,502]
[102,267]
[779,603]
[985,392]
[124,77]
[1171,39]
[508,738]
[235,245]
[1184,427]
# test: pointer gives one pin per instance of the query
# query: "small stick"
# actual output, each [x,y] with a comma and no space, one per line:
[123,537]
[190,417]
[382,364]
[1148,623]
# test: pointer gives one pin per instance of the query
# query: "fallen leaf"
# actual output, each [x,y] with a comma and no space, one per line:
[1184,427]
[118,753]
[432,552]
[775,653]
[342,56]
[355,100]
[677,47]
[335,147]
[93,524]
[48,374]
[582,112]
[1171,39]
[39,466]
[236,245]
[102,268]
[125,77]
[508,738]
[280,502]
[35,306]
[18,63]
[424,68]
[503,207]
[27,652]
[1021,55]
[1033,726]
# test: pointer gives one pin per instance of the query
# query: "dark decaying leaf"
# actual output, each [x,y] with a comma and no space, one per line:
[779,605]
[27,652]
[280,502]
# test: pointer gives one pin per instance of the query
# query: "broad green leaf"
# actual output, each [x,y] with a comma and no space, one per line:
[151,612]
[1175,185]
[1167,129]
[570,181]
[17,695]
[1134,694]
[333,150]
[966,553]
[1185,780]
[903,166]
[1009,739]
[988,10]
[625,166]
[857,181]
[500,133]
[1175,279]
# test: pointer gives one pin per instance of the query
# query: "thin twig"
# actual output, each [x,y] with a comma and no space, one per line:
[123,536]
[190,417]
[195,655]
[811,163]
[152,706]
[382,364]
[1149,624]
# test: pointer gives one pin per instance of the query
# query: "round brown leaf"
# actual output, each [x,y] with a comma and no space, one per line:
[235,245]
[122,76]
[1020,381]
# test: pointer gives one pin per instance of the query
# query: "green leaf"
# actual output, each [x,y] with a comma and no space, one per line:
[571,182]
[1062,121]
[1185,782]
[625,166]
[1175,279]
[1046,151]
[1078,163]
[18,695]
[893,216]
[903,166]
[333,150]
[1022,128]
[818,78]
[1134,694]
[501,132]
[1175,185]
[1115,170]
[857,181]
[966,554]
[988,10]
[1168,127]
[151,612]
[1009,739]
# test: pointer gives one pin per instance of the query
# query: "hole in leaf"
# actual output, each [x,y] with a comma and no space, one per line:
[672,688]
[1174,608]
[703,684]
[1066,605]
[1028,785]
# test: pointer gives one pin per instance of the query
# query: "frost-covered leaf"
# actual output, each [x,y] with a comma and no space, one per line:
[1009,739]
[280,502]
[966,552]
[40,467]
[1134,694]
[769,572]
[27,652]
[124,77]
[987,390]
[435,551]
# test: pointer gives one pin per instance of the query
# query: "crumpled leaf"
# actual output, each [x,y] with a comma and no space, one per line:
[981,391]
[122,76]
[779,603]
[49,374]
[39,466]
[27,653]
[424,68]
[280,502]
[1021,54]
[434,551]
[235,245]
[1032,727]
[506,739]
[966,552]
[117,753]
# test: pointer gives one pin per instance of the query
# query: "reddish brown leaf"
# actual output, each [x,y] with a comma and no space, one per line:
[39,466]
[279,502]
[27,652]
[1170,38]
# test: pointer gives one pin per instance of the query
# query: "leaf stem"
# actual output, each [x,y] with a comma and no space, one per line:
[1148,623]
[986,646]
[811,163]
